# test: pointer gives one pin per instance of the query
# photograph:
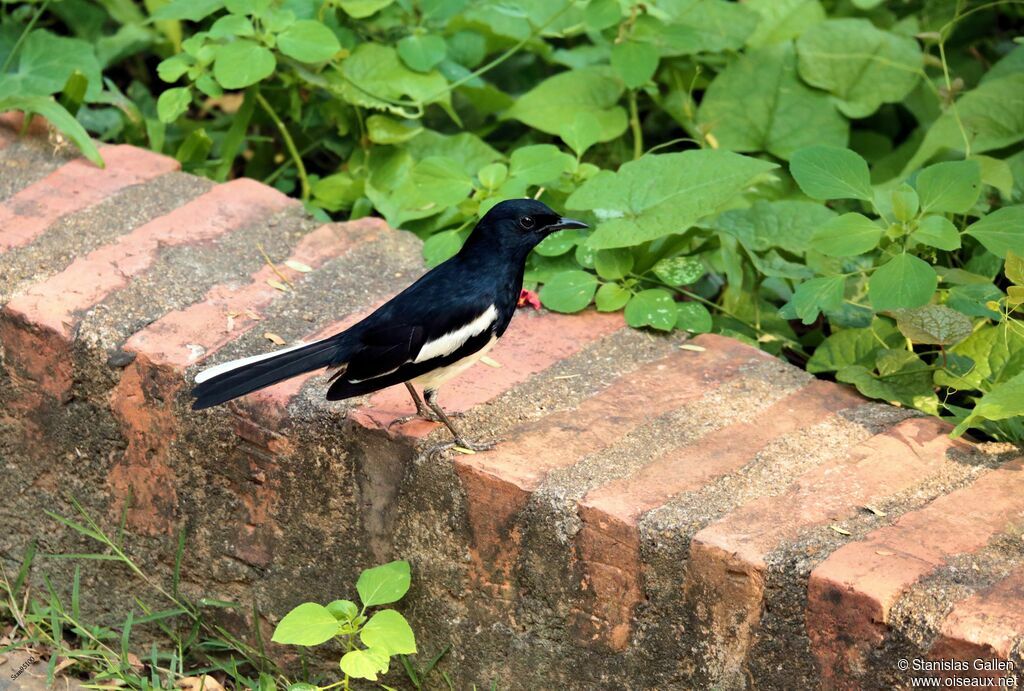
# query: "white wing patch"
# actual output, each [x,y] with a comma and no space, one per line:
[451,341]
[211,372]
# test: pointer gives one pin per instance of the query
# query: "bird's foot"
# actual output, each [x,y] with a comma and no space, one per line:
[461,445]
[421,414]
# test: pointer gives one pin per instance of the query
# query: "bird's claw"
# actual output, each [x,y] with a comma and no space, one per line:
[460,445]
[418,415]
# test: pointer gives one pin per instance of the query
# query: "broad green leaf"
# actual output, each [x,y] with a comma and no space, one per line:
[787,224]
[992,348]
[758,104]
[471,152]
[365,664]
[827,172]
[582,132]
[997,173]
[904,282]
[903,378]
[441,246]
[950,187]
[1014,268]
[242,63]
[973,299]
[693,317]
[60,118]
[558,243]
[905,203]
[172,69]
[422,52]
[662,194]
[554,103]
[688,27]
[634,62]
[338,191]
[937,231]
[46,61]
[1004,400]
[192,10]
[933,325]
[384,584]
[384,130]
[173,103]
[308,41]
[232,25]
[614,264]
[611,297]
[343,610]
[388,631]
[847,236]
[679,271]
[569,291]
[861,65]
[374,77]
[433,185]
[1001,231]
[992,116]
[654,308]
[817,295]
[539,164]
[492,175]
[307,624]
[853,347]
[360,9]
[782,20]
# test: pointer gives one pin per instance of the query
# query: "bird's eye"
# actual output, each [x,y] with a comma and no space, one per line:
[527,222]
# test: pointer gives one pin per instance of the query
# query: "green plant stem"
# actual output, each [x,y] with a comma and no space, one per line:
[289,144]
[21,39]
[634,123]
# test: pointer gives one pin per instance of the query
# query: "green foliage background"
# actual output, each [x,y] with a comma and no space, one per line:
[836,181]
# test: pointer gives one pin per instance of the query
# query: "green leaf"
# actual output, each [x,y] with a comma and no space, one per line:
[434,184]
[903,378]
[441,246]
[937,231]
[758,104]
[384,130]
[933,325]
[173,103]
[662,194]
[59,117]
[1001,231]
[232,25]
[338,191]
[847,236]
[422,52]
[904,282]
[343,610]
[45,63]
[611,297]
[782,20]
[582,132]
[634,62]
[905,203]
[950,187]
[384,584]
[992,348]
[388,631]
[786,224]
[1003,401]
[817,295]
[192,10]
[679,271]
[374,77]
[1014,268]
[307,624]
[242,63]
[861,65]
[365,664]
[693,317]
[360,9]
[558,243]
[614,264]
[569,291]
[688,27]
[827,172]
[654,308]
[539,164]
[308,41]
[555,103]
[853,347]
[172,69]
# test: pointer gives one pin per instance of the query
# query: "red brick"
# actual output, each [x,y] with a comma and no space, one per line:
[11,122]
[498,482]
[75,186]
[988,625]
[726,569]
[851,593]
[609,540]
[47,314]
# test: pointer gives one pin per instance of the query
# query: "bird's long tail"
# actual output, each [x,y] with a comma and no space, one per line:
[230,380]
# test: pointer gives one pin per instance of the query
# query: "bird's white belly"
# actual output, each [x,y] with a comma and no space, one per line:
[434,379]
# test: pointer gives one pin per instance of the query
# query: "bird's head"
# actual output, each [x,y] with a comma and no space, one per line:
[520,224]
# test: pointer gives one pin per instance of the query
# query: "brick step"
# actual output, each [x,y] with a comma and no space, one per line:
[671,514]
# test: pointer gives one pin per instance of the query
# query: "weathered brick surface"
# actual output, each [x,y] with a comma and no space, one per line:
[661,517]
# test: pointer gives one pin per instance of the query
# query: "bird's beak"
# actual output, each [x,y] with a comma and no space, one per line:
[566,224]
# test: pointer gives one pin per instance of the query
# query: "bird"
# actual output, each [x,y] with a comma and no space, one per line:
[427,334]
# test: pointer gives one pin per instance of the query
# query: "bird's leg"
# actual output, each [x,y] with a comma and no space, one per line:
[431,396]
[422,411]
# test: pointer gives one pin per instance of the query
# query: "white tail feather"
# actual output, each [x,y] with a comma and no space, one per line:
[216,370]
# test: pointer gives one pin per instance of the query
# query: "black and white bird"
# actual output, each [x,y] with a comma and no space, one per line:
[430,332]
